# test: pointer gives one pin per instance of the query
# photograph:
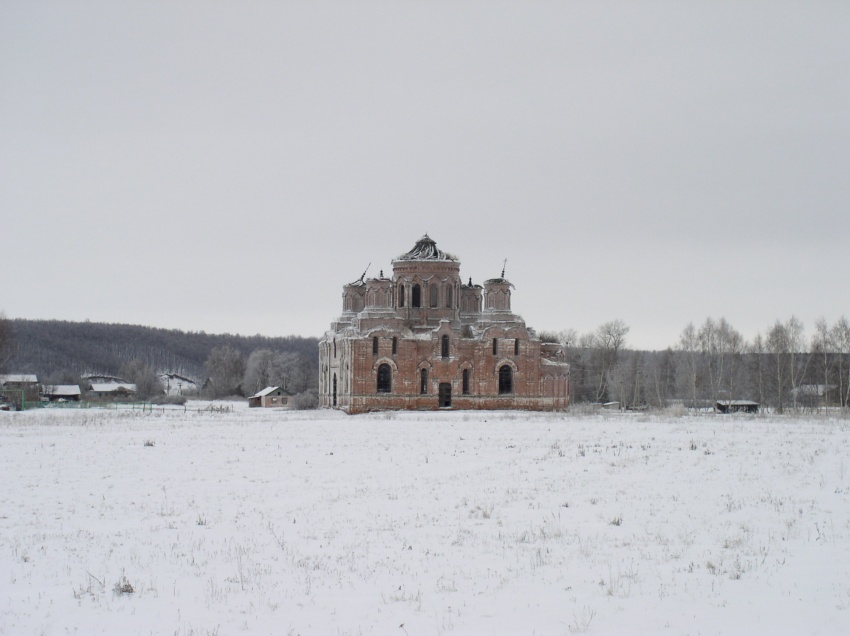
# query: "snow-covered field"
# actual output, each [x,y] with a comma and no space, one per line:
[266,522]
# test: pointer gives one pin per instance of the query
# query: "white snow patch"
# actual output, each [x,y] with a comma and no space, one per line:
[270,522]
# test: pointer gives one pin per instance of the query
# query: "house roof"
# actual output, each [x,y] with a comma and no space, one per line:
[104,378]
[113,387]
[21,378]
[68,390]
[737,403]
[175,376]
[266,391]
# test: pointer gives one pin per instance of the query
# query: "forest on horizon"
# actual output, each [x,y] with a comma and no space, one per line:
[784,368]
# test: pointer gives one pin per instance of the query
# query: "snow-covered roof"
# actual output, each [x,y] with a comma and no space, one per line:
[426,250]
[554,363]
[62,390]
[175,376]
[265,392]
[113,387]
[21,378]
[104,379]
[737,403]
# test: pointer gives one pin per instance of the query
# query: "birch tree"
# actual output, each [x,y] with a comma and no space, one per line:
[840,337]
[608,339]
[689,346]
[225,368]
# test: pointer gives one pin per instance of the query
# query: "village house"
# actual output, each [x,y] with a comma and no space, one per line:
[174,384]
[113,390]
[61,392]
[423,340]
[19,388]
[271,397]
[19,381]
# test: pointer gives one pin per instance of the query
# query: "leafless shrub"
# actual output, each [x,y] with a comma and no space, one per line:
[581,623]
[123,586]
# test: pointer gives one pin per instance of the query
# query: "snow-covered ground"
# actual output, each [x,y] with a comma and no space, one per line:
[269,522]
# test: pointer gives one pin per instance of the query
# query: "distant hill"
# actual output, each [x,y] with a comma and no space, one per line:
[49,347]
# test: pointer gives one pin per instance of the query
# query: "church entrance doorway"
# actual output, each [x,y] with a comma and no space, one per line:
[445,394]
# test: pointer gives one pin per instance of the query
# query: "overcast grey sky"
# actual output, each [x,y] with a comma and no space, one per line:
[228,166]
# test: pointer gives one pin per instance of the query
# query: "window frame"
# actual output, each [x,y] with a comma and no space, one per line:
[384,380]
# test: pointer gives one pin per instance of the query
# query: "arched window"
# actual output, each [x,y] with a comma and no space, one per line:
[423,381]
[433,292]
[506,380]
[385,378]
[465,386]
[401,295]
[445,347]
[416,301]
[334,389]
[448,296]
[516,346]
[375,345]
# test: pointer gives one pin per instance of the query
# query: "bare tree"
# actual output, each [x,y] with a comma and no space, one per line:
[689,346]
[840,337]
[798,356]
[822,348]
[261,370]
[608,339]
[6,341]
[143,376]
[659,377]
[276,368]
[225,368]
[625,380]
[295,372]
[758,351]
[778,345]
[719,344]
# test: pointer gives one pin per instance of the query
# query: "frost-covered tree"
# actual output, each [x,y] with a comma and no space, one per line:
[840,337]
[225,367]
[6,339]
[143,376]
[689,347]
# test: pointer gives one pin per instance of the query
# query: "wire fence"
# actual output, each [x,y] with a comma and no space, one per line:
[143,407]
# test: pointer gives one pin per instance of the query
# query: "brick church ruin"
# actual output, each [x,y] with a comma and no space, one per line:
[424,340]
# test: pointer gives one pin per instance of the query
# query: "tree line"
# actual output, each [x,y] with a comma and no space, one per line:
[782,368]
[61,352]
